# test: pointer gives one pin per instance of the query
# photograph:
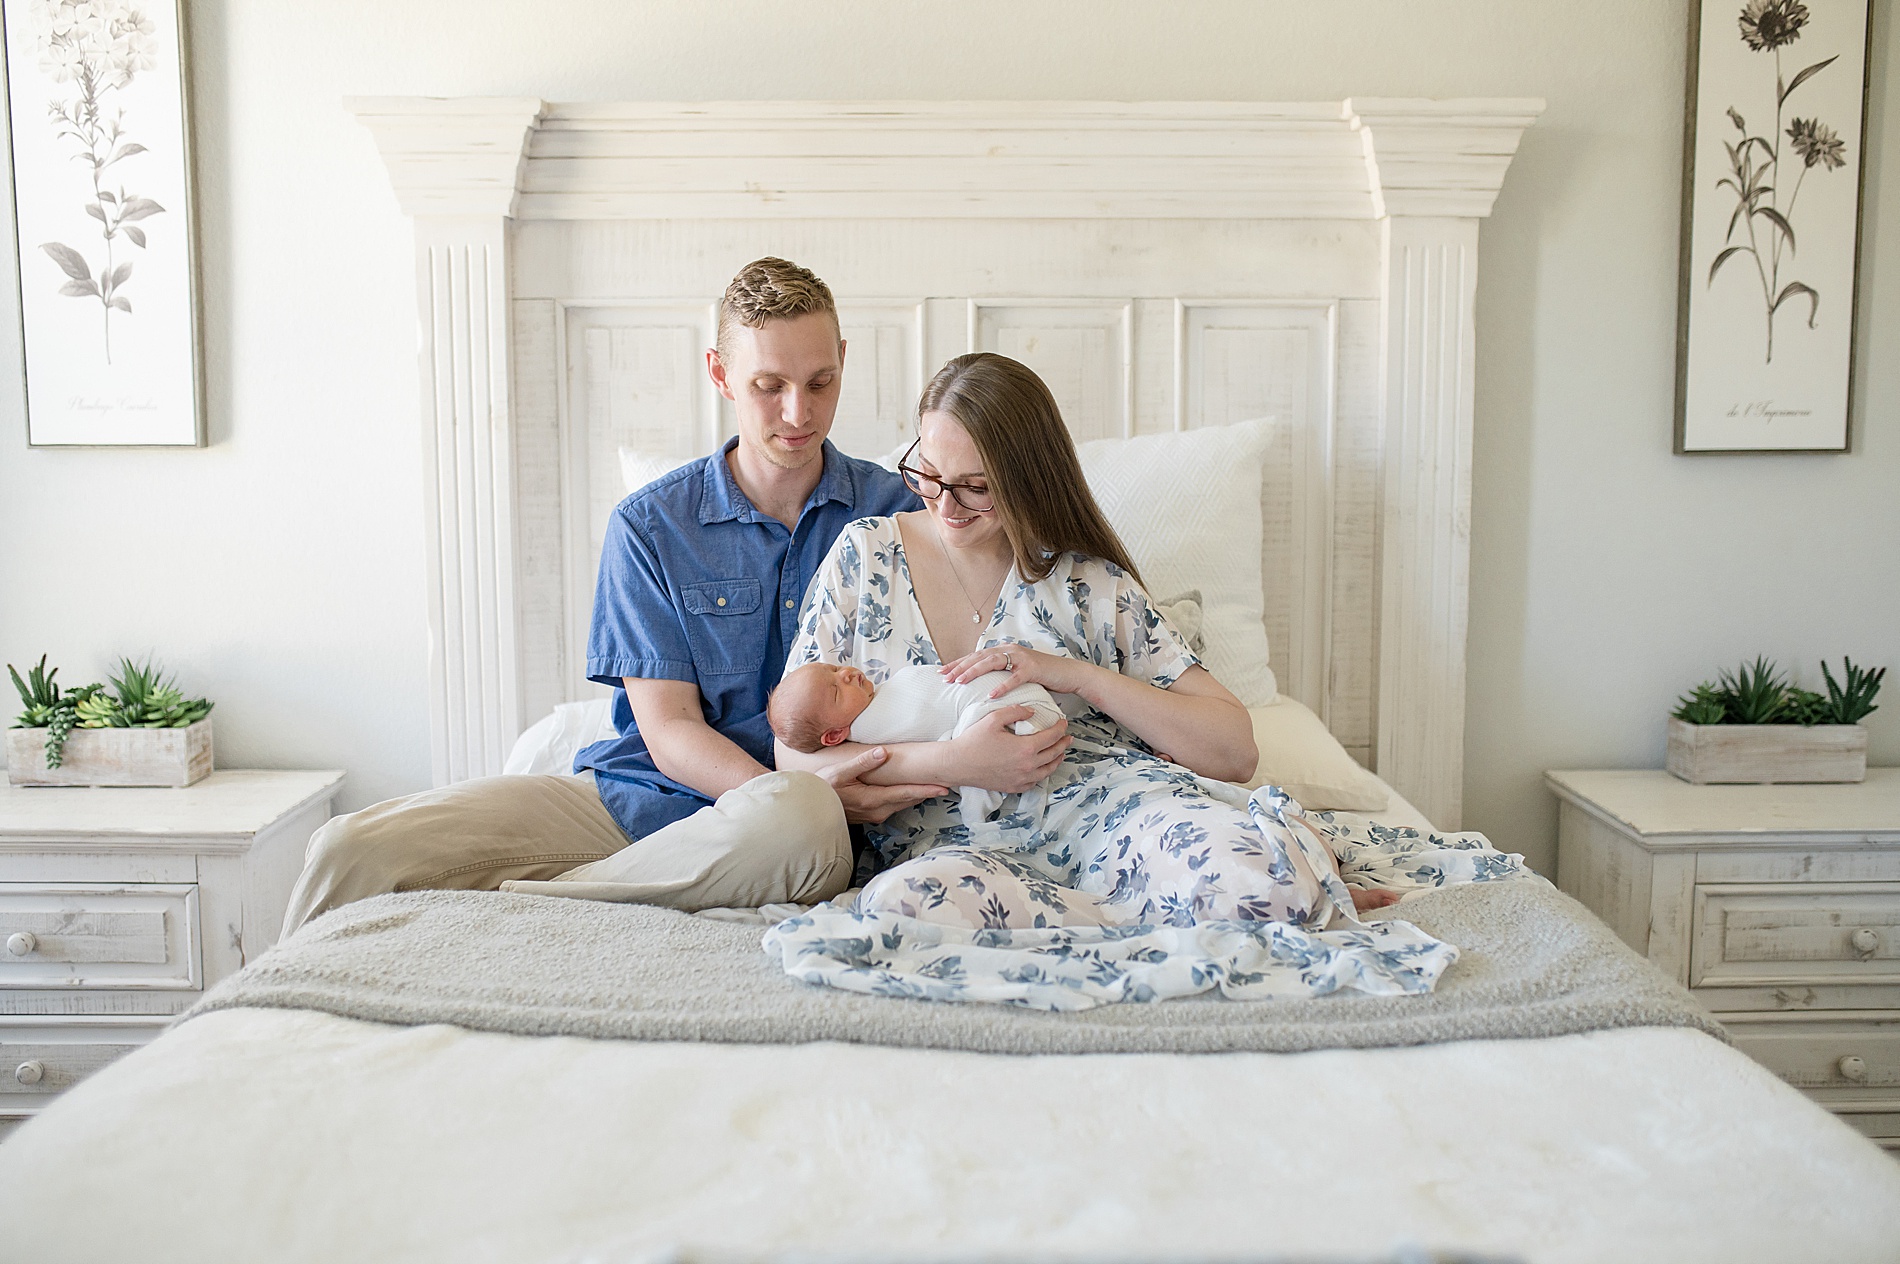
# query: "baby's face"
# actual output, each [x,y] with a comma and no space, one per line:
[834,696]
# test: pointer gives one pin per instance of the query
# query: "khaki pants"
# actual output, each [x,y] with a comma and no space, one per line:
[779,838]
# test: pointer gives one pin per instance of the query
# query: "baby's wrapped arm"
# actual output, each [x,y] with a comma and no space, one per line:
[1031,695]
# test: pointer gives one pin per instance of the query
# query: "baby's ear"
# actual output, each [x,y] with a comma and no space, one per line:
[831,737]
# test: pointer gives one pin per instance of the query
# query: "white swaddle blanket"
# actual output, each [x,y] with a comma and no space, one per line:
[918,705]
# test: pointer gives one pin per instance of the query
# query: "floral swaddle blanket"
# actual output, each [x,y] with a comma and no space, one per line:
[884,953]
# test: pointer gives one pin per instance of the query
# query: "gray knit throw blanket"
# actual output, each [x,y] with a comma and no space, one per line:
[1535,963]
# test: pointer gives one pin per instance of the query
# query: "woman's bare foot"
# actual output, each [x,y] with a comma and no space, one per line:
[1366,900]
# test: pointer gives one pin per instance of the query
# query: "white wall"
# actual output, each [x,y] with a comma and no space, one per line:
[280,570]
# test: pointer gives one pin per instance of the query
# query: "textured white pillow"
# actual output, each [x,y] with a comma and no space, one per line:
[1300,755]
[1187,505]
[550,743]
[638,468]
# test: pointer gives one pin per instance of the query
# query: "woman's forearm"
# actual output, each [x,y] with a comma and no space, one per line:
[1196,722]
[909,763]
[987,755]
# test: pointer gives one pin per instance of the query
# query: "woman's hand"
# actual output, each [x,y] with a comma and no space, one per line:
[1024,666]
[1365,899]
[1196,718]
[991,756]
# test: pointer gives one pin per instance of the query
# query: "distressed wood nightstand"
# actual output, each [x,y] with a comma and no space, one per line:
[118,907]
[1778,905]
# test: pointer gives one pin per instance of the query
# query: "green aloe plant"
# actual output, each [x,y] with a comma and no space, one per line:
[1755,693]
[1851,703]
[147,699]
[40,693]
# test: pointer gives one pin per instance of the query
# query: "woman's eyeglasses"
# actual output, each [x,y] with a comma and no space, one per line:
[973,498]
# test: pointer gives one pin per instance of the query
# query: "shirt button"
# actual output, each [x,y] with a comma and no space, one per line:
[722,601]
[788,603]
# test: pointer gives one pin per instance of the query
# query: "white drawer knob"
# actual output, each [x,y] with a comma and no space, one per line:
[1853,1068]
[21,942]
[29,1072]
[1866,941]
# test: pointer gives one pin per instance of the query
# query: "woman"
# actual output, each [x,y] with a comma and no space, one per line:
[1011,566]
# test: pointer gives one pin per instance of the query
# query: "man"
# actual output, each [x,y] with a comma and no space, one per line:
[701,577]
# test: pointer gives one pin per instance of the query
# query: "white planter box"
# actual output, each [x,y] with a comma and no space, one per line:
[1767,752]
[113,757]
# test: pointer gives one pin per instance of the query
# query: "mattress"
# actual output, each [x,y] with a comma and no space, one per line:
[288,1134]
[291,1135]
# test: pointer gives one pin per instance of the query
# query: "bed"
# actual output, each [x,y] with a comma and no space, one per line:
[473,1076]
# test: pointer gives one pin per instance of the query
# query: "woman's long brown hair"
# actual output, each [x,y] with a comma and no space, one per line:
[1041,498]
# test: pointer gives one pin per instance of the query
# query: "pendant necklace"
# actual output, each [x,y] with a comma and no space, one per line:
[975,617]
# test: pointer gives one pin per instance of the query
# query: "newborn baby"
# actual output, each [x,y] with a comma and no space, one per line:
[821,705]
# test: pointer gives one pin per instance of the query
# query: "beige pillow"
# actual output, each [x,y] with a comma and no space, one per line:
[1187,505]
[1299,755]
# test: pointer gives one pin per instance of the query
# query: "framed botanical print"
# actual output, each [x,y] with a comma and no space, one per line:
[1770,225]
[102,202]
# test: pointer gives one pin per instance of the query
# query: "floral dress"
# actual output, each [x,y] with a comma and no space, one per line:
[1143,879]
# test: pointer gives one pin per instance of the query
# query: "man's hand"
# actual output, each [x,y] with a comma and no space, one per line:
[866,804]
[994,758]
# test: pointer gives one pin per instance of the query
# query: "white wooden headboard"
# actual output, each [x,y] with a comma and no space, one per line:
[1163,265]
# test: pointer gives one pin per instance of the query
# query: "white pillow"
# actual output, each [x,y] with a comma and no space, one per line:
[638,468]
[890,459]
[1299,754]
[1184,612]
[550,743]
[1187,505]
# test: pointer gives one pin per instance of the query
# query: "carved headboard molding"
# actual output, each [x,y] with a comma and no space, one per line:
[1426,172]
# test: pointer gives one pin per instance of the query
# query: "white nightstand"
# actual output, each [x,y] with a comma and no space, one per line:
[118,907]
[1778,905]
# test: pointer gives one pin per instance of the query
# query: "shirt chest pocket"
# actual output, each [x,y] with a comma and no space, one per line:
[725,625]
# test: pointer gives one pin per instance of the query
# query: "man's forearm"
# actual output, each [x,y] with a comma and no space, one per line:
[695,754]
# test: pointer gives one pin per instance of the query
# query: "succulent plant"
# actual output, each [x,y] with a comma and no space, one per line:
[1852,701]
[48,708]
[1702,705]
[39,692]
[150,700]
[1757,693]
[99,711]
[142,696]
[1804,707]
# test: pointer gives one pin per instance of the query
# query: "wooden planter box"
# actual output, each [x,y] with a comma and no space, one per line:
[113,757]
[1767,752]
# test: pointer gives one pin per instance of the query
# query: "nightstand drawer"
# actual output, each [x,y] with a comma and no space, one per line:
[1786,934]
[75,935]
[1880,1124]
[1848,1053]
[31,1069]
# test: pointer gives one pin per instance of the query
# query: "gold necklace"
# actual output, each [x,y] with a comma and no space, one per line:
[975,617]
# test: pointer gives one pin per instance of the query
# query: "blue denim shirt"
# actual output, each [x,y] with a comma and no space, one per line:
[697,585]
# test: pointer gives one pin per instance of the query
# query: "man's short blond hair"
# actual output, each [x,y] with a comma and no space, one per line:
[771,289]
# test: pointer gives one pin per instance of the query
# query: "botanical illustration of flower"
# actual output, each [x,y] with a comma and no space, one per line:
[99,46]
[1768,24]
[1815,143]
[1755,174]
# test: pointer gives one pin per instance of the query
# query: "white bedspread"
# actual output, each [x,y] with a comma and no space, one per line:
[290,1135]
